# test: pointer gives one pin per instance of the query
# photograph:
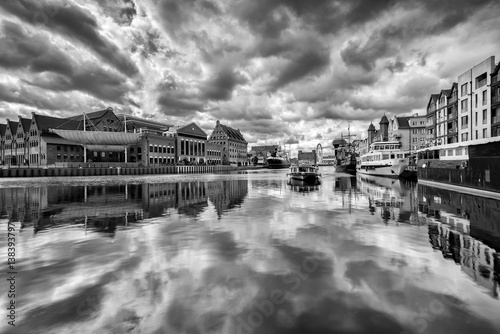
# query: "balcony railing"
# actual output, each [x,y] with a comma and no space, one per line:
[452,115]
[485,121]
[464,126]
[495,99]
[495,119]
[451,131]
[484,102]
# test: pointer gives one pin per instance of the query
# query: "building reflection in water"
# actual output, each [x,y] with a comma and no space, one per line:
[395,199]
[347,186]
[465,229]
[103,208]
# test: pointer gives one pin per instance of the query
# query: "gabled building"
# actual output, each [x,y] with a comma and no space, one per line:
[22,137]
[409,131]
[452,115]
[191,143]
[102,120]
[441,113]
[10,143]
[3,128]
[430,124]
[234,144]
[46,148]
[495,101]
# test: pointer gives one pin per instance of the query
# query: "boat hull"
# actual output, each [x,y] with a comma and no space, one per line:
[304,177]
[394,171]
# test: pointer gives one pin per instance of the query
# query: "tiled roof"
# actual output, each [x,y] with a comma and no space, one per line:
[26,122]
[47,122]
[13,126]
[384,120]
[403,122]
[90,115]
[446,92]
[232,133]
[371,127]
[3,128]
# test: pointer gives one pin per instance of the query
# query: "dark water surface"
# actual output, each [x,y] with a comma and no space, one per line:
[249,253]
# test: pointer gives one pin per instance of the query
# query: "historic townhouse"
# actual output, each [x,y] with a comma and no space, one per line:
[22,137]
[431,120]
[452,115]
[409,130]
[10,143]
[191,143]
[3,128]
[102,120]
[233,142]
[495,102]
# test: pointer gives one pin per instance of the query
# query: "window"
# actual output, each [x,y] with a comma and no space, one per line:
[476,101]
[485,116]
[151,148]
[464,105]
[463,90]
[476,121]
[485,133]
[477,134]
[485,97]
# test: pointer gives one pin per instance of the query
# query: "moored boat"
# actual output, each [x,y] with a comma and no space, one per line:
[278,159]
[309,173]
[385,158]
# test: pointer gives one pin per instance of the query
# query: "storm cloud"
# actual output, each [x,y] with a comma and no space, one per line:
[280,70]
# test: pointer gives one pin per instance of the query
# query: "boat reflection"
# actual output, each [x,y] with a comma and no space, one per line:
[465,229]
[303,185]
[394,198]
[103,208]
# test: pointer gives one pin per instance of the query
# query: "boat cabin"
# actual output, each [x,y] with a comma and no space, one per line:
[385,150]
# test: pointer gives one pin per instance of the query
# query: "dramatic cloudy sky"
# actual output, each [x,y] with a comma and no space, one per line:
[288,71]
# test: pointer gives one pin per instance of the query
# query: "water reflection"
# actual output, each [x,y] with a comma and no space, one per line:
[465,229]
[394,198]
[304,186]
[105,207]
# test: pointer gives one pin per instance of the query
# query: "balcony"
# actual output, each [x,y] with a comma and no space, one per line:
[484,102]
[495,119]
[481,83]
[485,121]
[452,131]
[464,126]
[495,99]
[452,115]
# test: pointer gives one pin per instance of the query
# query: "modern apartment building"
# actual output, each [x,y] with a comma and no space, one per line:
[474,103]
[495,102]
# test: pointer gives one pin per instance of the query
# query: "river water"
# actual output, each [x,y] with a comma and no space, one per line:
[248,253]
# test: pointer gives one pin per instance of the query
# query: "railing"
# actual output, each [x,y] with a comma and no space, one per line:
[484,102]
[495,99]
[485,121]
[464,126]
[495,119]
[452,131]
[452,114]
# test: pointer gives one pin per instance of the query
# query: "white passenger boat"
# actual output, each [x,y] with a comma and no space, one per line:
[304,173]
[385,158]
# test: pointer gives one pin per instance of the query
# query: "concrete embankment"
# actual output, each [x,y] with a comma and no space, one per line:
[95,171]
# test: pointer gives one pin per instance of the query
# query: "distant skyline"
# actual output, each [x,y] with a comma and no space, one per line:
[282,71]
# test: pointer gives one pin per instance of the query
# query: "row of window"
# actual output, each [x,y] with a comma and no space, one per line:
[189,147]
[158,149]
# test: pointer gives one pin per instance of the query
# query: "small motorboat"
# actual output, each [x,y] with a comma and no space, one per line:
[308,173]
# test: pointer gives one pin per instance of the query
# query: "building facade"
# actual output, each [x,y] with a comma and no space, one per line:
[233,142]
[410,131]
[474,101]
[191,142]
[495,102]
